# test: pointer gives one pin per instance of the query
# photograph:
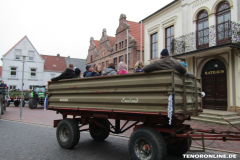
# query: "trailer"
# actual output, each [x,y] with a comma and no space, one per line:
[15,96]
[158,103]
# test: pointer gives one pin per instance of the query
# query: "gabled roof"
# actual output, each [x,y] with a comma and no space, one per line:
[97,44]
[111,40]
[135,31]
[0,71]
[54,63]
[19,42]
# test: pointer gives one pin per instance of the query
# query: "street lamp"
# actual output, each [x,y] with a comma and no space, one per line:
[23,60]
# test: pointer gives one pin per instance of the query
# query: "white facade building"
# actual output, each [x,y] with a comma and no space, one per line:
[13,66]
[205,35]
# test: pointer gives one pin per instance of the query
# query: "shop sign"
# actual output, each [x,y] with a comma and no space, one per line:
[214,72]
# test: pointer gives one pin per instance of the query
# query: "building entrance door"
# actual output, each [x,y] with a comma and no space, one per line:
[214,84]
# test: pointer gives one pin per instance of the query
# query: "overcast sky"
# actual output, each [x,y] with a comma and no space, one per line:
[65,26]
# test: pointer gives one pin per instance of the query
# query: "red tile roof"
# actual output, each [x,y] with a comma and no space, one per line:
[135,31]
[0,71]
[54,63]
[14,46]
[97,44]
[111,40]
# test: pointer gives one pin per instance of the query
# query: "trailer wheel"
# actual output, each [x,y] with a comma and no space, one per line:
[31,104]
[178,148]
[16,103]
[97,132]
[8,103]
[23,103]
[68,133]
[147,143]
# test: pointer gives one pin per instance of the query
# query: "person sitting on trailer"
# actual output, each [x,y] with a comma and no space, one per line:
[67,74]
[110,70]
[2,85]
[138,67]
[89,68]
[190,74]
[122,68]
[165,63]
[77,73]
[96,72]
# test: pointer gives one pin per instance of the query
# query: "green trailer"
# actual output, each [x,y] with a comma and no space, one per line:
[15,96]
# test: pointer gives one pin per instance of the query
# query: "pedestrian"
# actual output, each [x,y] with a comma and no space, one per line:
[89,68]
[96,72]
[77,73]
[67,74]
[138,67]
[110,70]
[164,63]
[122,68]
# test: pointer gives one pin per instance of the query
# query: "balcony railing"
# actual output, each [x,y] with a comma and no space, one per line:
[226,32]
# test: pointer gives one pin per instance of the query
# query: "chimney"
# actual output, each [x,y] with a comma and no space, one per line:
[58,55]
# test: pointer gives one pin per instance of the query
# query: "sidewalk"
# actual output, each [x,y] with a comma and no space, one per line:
[39,116]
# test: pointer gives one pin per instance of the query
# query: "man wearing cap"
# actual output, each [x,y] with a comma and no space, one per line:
[165,63]
[89,68]
[67,74]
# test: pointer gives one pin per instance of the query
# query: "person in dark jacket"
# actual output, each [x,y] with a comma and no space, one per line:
[164,63]
[77,73]
[110,70]
[96,72]
[138,67]
[2,85]
[89,68]
[67,74]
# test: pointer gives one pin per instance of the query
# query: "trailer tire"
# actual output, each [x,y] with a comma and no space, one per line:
[16,103]
[147,143]
[8,103]
[97,132]
[31,105]
[68,133]
[178,148]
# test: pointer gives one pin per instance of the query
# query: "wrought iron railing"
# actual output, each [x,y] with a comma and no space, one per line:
[226,32]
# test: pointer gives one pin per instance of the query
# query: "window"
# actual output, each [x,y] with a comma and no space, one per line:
[154,45]
[91,58]
[223,23]
[31,55]
[115,63]
[121,45]
[12,87]
[202,30]
[33,73]
[125,43]
[102,65]
[121,59]
[52,76]
[18,53]
[13,72]
[127,60]
[116,47]
[107,62]
[31,87]
[169,38]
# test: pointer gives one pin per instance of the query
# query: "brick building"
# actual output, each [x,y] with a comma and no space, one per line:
[114,49]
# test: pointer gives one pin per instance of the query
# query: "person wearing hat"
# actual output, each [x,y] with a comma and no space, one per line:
[89,68]
[67,74]
[190,74]
[165,63]
[77,73]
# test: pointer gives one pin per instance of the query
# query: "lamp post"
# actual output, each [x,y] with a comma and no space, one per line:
[23,60]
